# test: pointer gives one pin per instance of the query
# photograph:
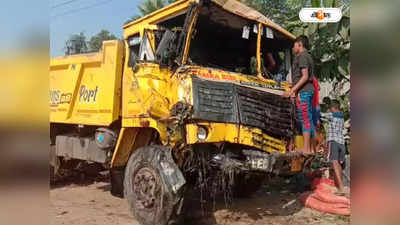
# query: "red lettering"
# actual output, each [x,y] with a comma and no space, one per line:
[228,77]
[217,76]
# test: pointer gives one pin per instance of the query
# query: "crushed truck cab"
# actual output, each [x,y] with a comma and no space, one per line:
[189,93]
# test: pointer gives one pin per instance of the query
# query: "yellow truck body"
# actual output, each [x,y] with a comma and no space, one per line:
[86,89]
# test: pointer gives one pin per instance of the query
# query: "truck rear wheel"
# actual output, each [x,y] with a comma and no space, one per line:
[147,190]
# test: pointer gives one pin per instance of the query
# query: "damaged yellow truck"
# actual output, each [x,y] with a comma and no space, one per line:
[185,101]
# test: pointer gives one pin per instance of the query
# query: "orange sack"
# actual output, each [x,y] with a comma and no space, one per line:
[329,197]
[310,201]
[322,198]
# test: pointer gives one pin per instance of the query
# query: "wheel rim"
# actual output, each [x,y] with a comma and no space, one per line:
[146,188]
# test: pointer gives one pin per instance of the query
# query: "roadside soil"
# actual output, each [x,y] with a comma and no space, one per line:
[86,200]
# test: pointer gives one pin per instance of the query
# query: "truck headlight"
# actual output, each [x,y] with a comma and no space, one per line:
[201,133]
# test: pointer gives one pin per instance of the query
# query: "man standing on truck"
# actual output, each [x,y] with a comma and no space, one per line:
[303,89]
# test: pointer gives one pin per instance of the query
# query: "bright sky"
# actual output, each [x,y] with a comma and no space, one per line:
[88,16]
[20,19]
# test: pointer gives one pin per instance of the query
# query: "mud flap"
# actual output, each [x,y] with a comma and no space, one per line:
[117,182]
[170,172]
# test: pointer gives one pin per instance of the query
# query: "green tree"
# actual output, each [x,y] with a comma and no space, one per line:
[96,42]
[278,11]
[76,44]
[149,6]
[330,42]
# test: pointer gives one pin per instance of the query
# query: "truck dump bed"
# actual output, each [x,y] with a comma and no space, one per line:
[86,88]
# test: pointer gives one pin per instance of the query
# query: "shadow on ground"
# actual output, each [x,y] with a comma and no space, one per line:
[274,199]
[81,178]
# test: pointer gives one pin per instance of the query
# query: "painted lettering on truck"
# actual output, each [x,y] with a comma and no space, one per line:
[87,95]
[57,97]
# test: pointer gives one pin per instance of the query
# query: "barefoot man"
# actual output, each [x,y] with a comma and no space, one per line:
[303,89]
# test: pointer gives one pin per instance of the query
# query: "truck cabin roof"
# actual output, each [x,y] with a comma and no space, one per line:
[231,13]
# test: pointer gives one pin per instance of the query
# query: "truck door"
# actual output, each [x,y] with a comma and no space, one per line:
[145,82]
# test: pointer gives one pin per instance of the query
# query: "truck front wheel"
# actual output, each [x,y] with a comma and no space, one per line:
[147,189]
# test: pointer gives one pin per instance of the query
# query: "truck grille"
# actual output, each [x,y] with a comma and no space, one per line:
[215,101]
[230,103]
[266,111]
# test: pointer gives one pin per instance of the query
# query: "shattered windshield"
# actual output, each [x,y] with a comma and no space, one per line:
[226,41]
[219,42]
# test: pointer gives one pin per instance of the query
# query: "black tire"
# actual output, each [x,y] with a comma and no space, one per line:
[247,184]
[147,190]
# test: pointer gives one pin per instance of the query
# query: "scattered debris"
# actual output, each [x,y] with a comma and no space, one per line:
[62,213]
[289,204]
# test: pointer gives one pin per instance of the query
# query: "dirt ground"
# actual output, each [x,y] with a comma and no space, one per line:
[74,202]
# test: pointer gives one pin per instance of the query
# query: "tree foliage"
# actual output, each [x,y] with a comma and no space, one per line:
[96,42]
[330,46]
[78,43]
[148,6]
[278,11]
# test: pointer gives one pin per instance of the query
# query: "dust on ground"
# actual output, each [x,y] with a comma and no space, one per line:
[79,200]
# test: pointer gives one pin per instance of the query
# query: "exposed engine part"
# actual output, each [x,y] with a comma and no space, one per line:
[224,162]
[213,172]
[255,161]
[105,138]
[179,113]
[83,148]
